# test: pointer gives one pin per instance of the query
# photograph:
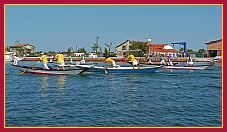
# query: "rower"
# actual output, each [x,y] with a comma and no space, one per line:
[111,61]
[133,60]
[170,62]
[190,61]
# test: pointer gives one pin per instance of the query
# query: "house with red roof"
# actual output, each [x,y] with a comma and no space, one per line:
[22,48]
[164,49]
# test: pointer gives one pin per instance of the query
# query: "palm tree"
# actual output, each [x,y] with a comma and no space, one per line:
[100,48]
[95,45]
[109,46]
[97,38]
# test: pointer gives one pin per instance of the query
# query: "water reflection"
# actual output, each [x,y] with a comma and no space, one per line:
[132,90]
[110,82]
[60,82]
[44,88]
[133,82]
[44,84]
[52,91]
[60,85]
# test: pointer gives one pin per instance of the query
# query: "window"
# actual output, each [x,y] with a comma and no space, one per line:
[123,47]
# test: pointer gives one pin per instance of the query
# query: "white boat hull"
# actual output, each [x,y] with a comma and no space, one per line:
[121,69]
[38,70]
[199,67]
[187,67]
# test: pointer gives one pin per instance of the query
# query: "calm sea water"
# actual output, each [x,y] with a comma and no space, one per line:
[161,99]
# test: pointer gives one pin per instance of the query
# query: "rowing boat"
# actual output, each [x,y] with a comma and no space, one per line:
[199,67]
[51,71]
[121,69]
[182,67]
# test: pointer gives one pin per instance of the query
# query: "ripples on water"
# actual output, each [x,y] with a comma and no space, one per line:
[164,98]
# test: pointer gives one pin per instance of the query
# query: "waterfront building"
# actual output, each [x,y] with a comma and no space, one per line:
[78,54]
[123,48]
[161,49]
[214,48]
[25,48]
[164,49]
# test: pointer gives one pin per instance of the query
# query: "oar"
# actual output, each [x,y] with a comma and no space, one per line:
[29,68]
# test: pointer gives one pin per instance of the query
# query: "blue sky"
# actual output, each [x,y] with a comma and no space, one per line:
[54,28]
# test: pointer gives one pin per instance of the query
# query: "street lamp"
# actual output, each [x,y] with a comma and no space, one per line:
[149,41]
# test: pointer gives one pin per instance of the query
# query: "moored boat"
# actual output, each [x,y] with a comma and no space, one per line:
[9,56]
[51,71]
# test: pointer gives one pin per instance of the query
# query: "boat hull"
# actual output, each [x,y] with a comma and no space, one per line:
[37,70]
[199,67]
[187,67]
[8,56]
[124,69]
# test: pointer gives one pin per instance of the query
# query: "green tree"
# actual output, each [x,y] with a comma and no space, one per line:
[20,50]
[100,49]
[96,45]
[138,48]
[82,50]
[38,53]
[109,46]
[189,51]
[181,49]
[201,51]
[52,53]
[70,50]
[106,51]
[95,48]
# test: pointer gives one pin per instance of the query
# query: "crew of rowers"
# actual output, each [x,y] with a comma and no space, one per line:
[60,61]
[169,60]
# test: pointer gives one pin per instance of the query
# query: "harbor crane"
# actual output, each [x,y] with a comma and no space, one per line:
[181,43]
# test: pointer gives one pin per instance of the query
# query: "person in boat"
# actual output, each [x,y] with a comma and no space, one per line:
[190,61]
[70,59]
[44,60]
[111,61]
[15,59]
[133,60]
[170,62]
[162,61]
[149,60]
[60,60]
[82,60]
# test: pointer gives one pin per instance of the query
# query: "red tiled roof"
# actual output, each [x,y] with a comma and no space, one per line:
[162,50]
[19,45]
[159,48]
